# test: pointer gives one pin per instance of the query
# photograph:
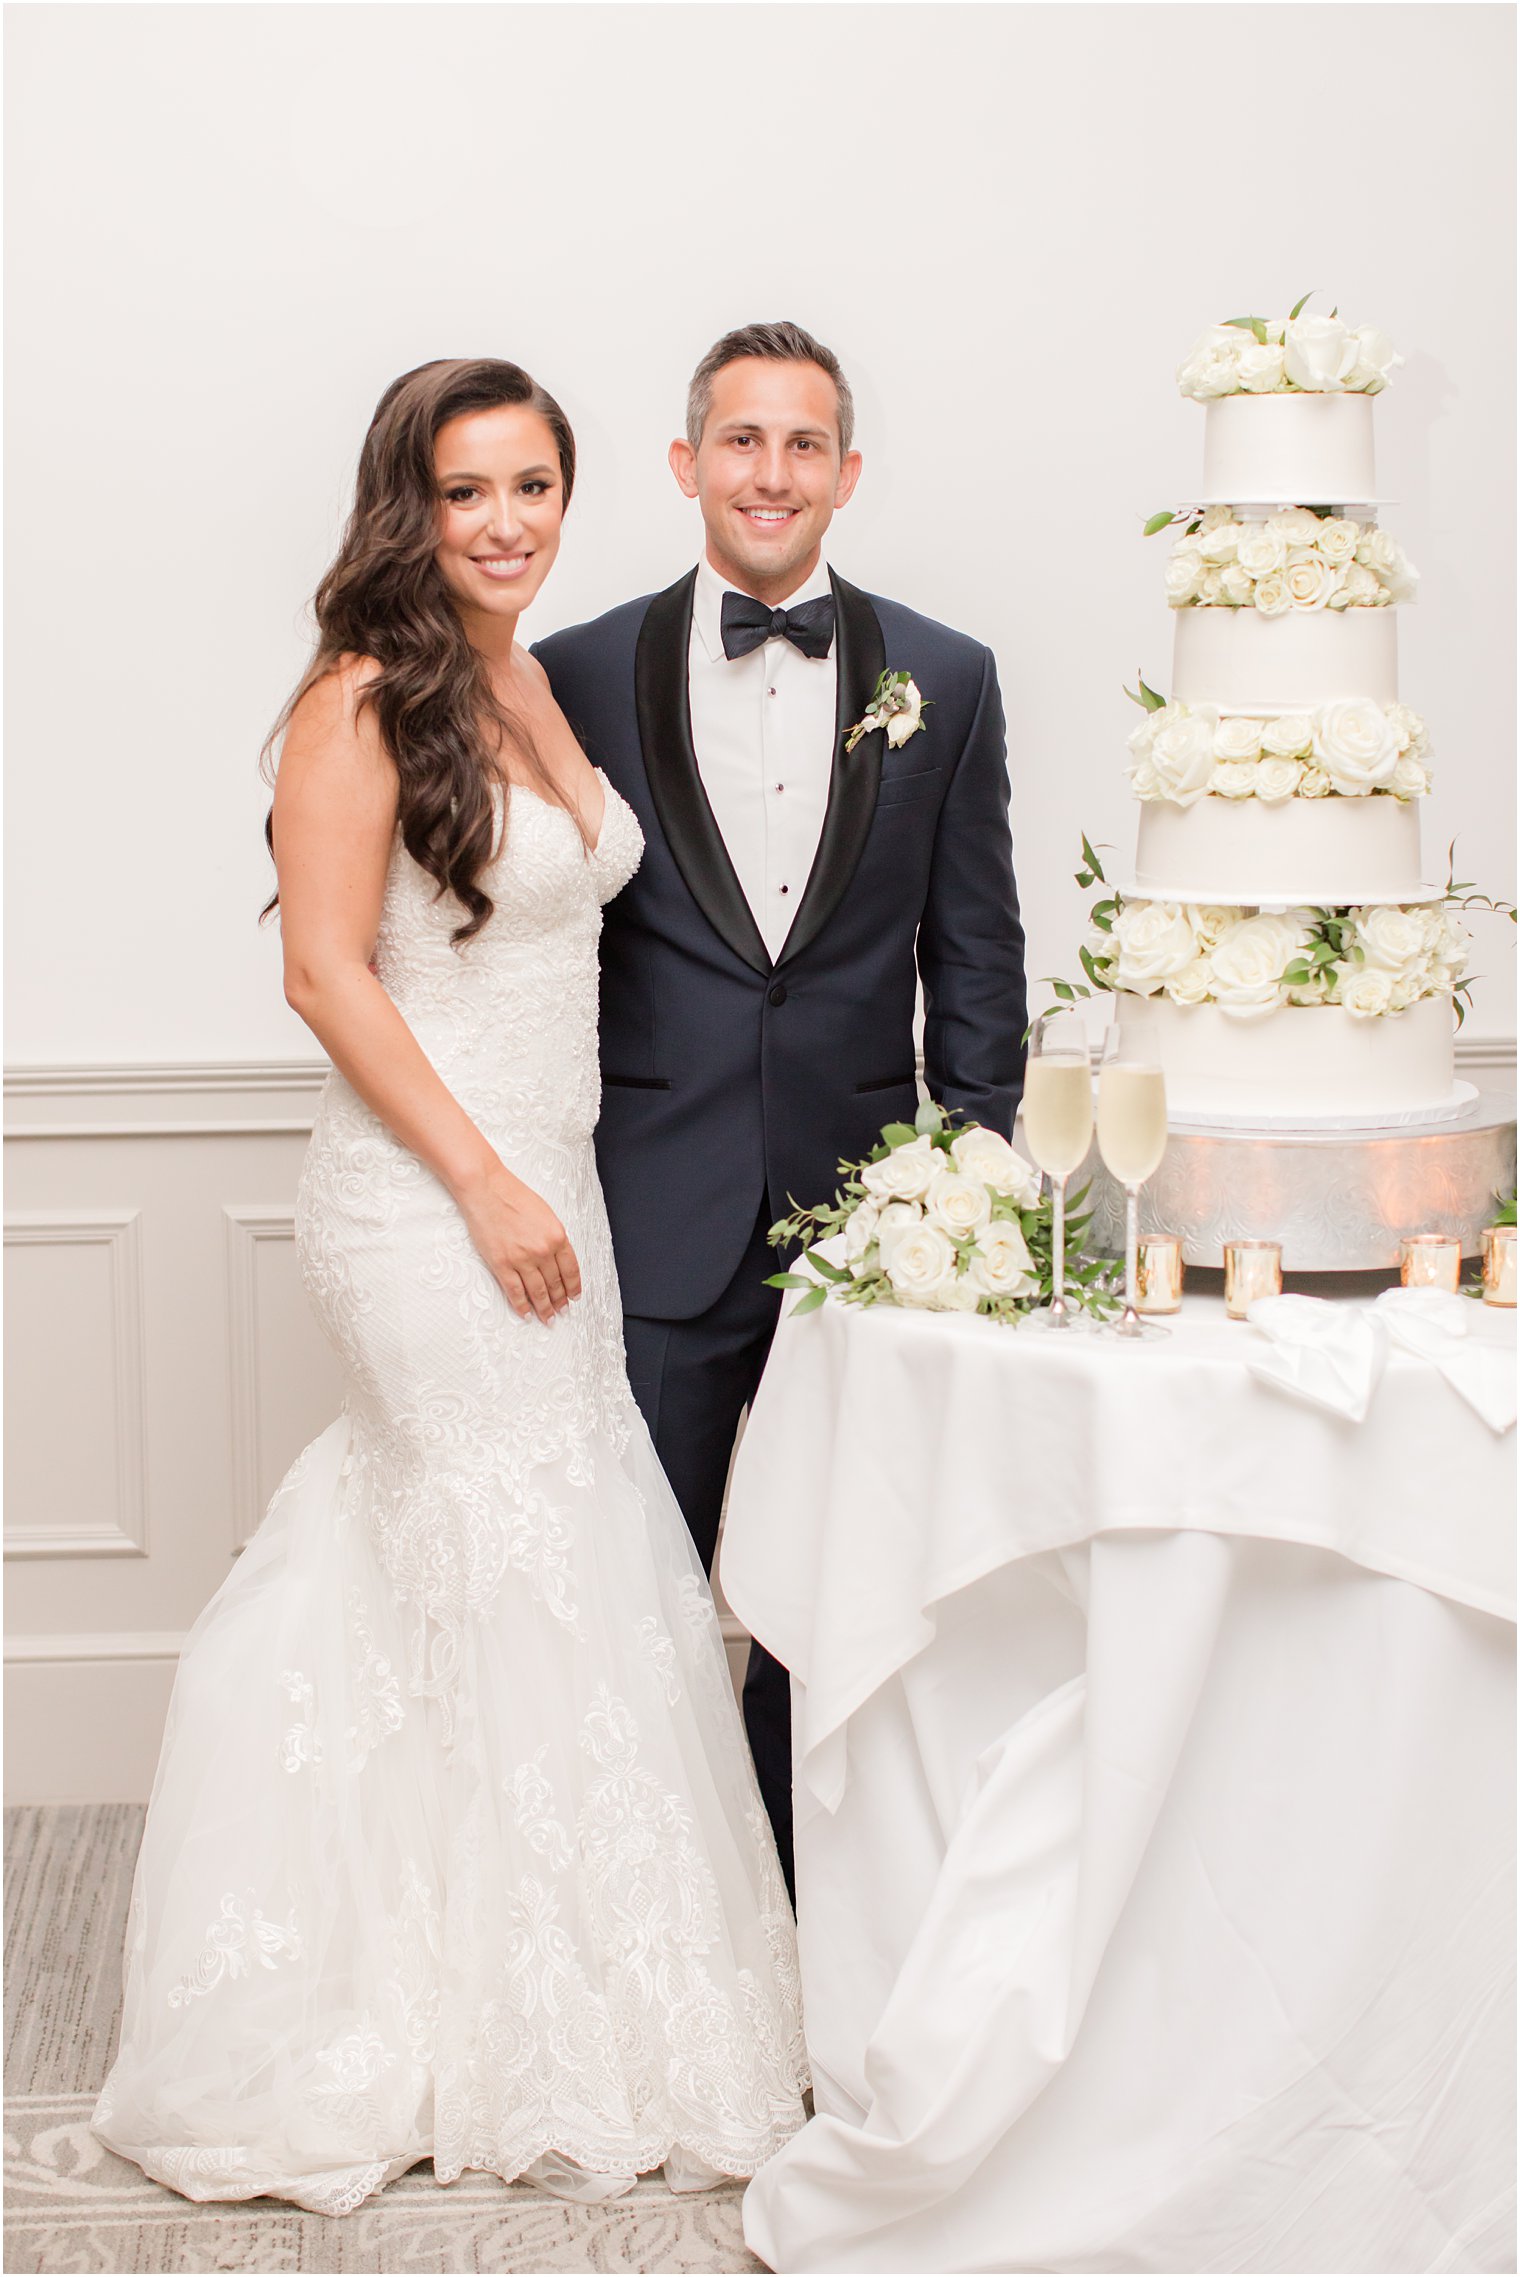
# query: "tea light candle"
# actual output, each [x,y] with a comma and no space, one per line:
[1430,1261]
[1498,1243]
[1252,1269]
[1158,1280]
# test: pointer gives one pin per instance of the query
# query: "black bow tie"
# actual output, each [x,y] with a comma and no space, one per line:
[748,624]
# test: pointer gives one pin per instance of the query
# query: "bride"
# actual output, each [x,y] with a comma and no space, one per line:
[455,1849]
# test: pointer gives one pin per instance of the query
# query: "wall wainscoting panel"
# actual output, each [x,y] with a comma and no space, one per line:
[75,1483]
[286,1383]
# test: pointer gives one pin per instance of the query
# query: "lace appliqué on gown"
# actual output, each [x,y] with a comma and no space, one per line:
[454,1771]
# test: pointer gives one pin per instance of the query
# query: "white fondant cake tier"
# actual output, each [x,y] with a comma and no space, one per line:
[1242,661]
[1295,450]
[1303,1064]
[1318,851]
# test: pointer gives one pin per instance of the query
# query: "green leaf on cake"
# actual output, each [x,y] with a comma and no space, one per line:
[1296,311]
[1250,324]
[1091,859]
[1145,697]
[1161,521]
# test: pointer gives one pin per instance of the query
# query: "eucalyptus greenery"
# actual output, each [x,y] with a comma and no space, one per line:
[1093,1284]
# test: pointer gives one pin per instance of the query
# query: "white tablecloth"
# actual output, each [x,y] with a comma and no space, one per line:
[1155,1779]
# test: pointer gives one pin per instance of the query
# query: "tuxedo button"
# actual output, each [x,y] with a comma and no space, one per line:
[778,994]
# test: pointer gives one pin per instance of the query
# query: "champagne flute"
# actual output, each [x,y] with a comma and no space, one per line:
[1058,1121]
[1132,1137]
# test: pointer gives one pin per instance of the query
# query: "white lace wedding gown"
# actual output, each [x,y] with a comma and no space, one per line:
[455,1848]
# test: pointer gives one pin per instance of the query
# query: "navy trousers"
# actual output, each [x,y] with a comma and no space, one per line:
[693,1380]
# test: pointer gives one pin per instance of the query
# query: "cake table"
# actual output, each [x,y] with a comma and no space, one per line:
[1154,1779]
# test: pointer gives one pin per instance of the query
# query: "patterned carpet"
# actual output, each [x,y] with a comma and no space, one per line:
[71,2205]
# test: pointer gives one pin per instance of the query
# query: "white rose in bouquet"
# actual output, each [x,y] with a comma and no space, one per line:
[1376,361]
[1411,777]
[1357,745]
[958,1205]
[1277,779]
[963,1295]
[1366,991]
[1184,575]
[980,1153]
[904,1174]
[922,1270]
[1314,783]
[1235,586]
[860,1232]
[1251,959]
[1318,353]
[1272,597]
[1234,779]
[1238,737]
[1338,539]
[1216,542]
[1358,588]
[1260,369]
[1262,552]
[896,1220]
[1154,940]
[1295,525]
[1288,736]
[1311,581]
[1194,984]
[1210,367]
[1183,757]
[1397,939]
[1000,1265]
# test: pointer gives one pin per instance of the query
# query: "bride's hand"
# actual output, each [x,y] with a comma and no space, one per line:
[522,1241]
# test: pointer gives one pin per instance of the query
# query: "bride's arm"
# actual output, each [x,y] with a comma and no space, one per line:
[334,822]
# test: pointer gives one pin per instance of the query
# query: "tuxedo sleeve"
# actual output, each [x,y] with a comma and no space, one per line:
[970,939]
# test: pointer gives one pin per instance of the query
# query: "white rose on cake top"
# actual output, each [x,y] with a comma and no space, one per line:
[1297,354]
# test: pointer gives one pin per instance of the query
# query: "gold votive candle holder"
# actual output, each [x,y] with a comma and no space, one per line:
[1252,1269]
[1158,1274]
[1430,1261]
[1498,1251]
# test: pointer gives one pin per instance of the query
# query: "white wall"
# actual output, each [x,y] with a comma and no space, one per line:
[230,226]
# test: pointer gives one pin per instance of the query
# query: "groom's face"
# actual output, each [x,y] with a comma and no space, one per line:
[768,473]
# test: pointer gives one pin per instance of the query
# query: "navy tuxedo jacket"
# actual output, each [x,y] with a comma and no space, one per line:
[728,1079]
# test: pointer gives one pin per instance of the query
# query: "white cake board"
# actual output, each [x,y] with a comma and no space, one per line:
[1460,1103]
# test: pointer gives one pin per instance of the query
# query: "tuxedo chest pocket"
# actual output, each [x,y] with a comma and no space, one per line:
[887,1083]
[897,790]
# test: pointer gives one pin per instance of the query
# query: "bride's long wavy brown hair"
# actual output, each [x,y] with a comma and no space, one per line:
[384,597]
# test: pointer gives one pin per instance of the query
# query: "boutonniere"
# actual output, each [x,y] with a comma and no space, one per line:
[895,705]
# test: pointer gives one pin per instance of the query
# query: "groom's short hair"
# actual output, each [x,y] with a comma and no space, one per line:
[775,344]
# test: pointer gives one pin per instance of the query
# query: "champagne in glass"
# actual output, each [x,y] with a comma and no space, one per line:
[1131,1140]
[1058,1121]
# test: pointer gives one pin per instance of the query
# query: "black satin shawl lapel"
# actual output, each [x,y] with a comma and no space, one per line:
[663,701]
[860,658]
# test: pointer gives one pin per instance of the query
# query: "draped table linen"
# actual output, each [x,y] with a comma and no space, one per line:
[1154,1764]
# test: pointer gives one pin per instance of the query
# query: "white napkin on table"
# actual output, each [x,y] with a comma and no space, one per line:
[1433,1325]
[1329,1354]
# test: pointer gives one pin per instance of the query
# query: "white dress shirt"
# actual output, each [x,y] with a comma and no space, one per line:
[763,729]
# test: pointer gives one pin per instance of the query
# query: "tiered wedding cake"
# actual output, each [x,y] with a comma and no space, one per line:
[1299,962]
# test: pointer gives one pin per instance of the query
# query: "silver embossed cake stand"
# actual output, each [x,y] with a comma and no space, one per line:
[1338,1201]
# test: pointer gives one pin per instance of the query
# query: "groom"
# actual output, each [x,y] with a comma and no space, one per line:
[758,974]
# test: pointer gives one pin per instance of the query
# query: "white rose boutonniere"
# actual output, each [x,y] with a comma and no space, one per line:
[895,705]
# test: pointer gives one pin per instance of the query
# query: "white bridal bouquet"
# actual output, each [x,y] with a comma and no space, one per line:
[943,1216]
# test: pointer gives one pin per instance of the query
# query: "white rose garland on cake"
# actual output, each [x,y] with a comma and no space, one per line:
[1297,559]
[1371,961]
[1292,355]
[1357,749]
